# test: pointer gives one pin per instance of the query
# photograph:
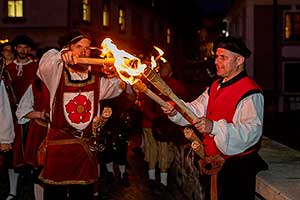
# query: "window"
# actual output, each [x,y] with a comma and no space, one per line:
[168,39]
[121,20]
[292,26]
[86,10]
[106,14]
[15,8]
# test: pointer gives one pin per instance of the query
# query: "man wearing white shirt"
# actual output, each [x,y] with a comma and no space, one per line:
[230,119]
[70,168]
[7,136]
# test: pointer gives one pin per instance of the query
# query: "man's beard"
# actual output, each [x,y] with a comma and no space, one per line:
[22,56]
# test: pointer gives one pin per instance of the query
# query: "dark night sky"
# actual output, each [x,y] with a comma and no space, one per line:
[213,6]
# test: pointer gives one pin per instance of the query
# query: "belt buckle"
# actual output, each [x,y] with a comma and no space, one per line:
[78,134]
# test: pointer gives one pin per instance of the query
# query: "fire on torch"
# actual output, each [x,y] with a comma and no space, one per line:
[130,70]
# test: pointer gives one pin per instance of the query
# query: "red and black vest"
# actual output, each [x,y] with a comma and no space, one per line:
[222,103]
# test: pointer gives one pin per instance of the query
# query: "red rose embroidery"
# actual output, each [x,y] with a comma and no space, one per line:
[78,109]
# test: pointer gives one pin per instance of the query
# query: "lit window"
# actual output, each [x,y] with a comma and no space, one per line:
[168,35]
[86,10]
[292,26]
[15,8]
[121,20]
[106,13]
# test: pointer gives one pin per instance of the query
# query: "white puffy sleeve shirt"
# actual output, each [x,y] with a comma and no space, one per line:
[51,67]
[25,106]
[245,129]
[7,133]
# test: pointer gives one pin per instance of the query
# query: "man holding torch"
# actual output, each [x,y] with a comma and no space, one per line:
[230,118]
[70,167]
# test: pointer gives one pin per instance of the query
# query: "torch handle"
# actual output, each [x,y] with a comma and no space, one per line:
[143,88]
[160,84]
[96,61]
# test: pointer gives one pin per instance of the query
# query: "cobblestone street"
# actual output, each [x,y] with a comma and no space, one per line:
[138,188]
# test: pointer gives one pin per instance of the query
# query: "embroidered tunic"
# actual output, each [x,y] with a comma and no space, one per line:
[74,101]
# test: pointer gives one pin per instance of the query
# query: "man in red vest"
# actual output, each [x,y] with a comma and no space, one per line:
[18,75]
[230,120]
[70,167]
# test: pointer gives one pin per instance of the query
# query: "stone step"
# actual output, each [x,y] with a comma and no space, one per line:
[282,180]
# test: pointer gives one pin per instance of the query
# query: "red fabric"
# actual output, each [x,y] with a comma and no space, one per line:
[18,152]
[21,83]
[36,133]
[71,163]
[147,106]
[27,153]
[222,104]
[152,110]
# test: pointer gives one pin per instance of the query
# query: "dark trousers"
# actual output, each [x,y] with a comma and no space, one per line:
[68,192]
[4,178]
[237,178]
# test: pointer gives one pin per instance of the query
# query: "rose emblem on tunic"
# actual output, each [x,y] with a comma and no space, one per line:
[78,109]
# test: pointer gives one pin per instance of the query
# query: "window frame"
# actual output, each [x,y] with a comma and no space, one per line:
[11,19]
[285,39]
[86,6]
[107,9]
[122,26]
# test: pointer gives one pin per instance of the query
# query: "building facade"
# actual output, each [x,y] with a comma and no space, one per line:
[271,30]
[131,24]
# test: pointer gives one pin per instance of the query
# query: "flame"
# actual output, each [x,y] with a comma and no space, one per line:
[159,50]
[128,66]
[161,53]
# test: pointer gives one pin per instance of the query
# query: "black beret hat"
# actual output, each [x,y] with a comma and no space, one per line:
[233,44]
[22,39]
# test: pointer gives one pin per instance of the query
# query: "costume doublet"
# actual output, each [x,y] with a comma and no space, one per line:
[18,77]
[222,103]
[232,105]
[74,102]
[69,159]
[21,75]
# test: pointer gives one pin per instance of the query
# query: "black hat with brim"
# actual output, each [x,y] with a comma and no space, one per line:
[233,44]
[22,39]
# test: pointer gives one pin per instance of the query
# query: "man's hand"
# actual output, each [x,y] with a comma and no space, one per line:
[203,125]
[5,147]
[170,110]
[69,58]
[106,113]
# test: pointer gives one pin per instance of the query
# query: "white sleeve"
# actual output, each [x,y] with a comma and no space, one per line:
[198,107]
[49,71]
[246,128]
[109,88]
[25,106]
[7,133]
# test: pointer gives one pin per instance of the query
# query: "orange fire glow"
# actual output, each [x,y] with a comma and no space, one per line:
[129,67]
